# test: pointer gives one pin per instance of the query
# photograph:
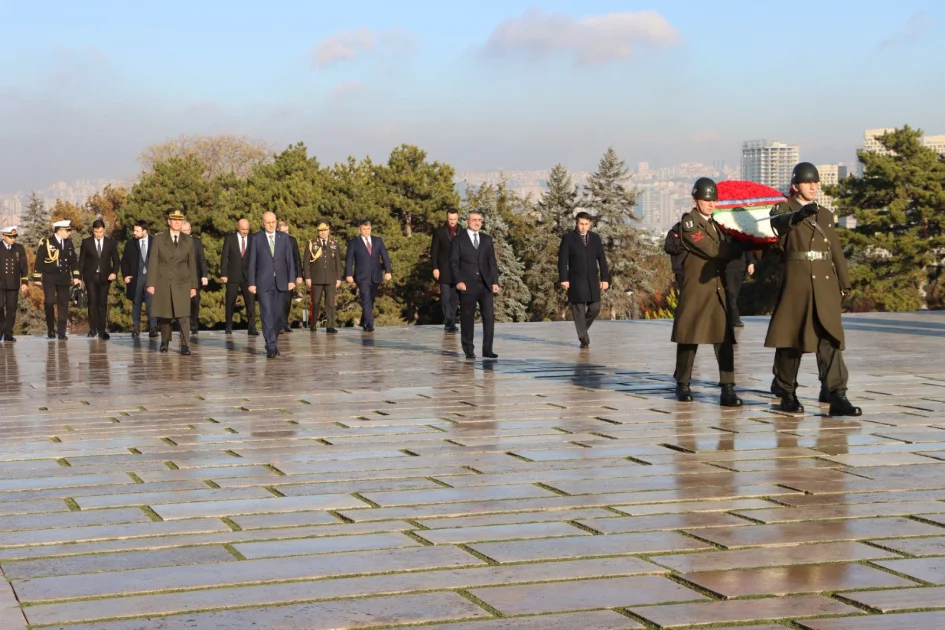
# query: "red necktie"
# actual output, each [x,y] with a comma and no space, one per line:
[242,247]
[368,243]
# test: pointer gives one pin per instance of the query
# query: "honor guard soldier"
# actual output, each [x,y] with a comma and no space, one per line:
[14,279]
[807,315]
[702,313]
[56,270]
[321,268]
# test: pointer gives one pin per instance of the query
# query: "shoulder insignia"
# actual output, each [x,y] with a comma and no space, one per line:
[688,224]
[697,236]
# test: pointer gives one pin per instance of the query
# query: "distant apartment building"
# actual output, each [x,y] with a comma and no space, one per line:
[936,143]
[769,163]
[829,176]
[871,141]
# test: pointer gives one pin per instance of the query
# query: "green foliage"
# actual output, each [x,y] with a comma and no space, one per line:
[896,250]
[35,223]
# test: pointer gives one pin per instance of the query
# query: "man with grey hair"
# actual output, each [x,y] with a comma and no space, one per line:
[234,265]
[203,276]
[476,273]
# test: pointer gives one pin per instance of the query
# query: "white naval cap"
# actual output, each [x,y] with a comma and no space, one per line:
[62,224]
[11,229]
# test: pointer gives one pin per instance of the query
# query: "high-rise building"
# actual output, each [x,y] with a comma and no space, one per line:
[769,163]
[936,143]
[871,142]
[829,176]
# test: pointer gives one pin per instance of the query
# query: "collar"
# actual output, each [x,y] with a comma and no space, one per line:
[471,232]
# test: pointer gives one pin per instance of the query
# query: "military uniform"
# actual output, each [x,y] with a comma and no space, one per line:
[57,267]
[322,265]
[14,274]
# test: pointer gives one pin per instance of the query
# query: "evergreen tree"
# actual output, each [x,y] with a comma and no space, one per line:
[35,224]
[896,250]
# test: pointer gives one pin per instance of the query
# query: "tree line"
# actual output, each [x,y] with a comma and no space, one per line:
[896,251]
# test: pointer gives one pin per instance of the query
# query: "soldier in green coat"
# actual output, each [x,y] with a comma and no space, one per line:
[701,315]
[807,315]
[172,280]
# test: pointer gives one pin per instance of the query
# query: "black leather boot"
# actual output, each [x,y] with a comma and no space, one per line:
[791,404]
[683,393]
[840,406]
[729,398]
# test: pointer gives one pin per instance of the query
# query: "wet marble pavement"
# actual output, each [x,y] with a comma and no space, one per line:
[380,480]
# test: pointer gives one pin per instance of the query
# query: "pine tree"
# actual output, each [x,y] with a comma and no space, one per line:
[35,223]
[896,251]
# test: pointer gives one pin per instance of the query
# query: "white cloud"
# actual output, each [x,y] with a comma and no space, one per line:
[346,88]
[590,40]
[347,45]
[916,26]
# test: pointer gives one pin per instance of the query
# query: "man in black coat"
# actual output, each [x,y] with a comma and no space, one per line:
[56,269]
[582,270]
[297,257]
[98,268]
[14,280]
[234,273]
[440,257]
[134,270]
[474,267]
[203,277]
[367,264]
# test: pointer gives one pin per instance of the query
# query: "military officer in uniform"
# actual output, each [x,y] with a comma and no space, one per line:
[321,269]
[172,280]
[14,279]
[807,315]
[56,270]
[701,316]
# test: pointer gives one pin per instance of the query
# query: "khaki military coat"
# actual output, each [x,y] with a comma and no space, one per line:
[172,271]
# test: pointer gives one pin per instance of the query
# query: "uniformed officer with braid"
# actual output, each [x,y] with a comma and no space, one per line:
[321,268]
[14,280]
[701,315]
[807,315]
[56,270]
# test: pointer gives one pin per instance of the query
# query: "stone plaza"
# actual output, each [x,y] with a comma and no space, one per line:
[382,481]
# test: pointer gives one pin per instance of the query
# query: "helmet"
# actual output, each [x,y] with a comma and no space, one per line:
[705,189]
[803,173]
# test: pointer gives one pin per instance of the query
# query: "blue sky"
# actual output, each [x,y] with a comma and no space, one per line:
[84,86]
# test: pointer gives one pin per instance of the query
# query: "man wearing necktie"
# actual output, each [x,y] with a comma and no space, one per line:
[442,273]
[56,270]
[272,274]
[14,280]
[234,265]
[582,270]
[98,268]
[172,280]
[364,262]
[297,257]
[134,270]
[476,273]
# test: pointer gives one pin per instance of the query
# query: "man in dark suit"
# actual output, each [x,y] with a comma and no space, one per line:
[234,262]
[440,256]
[365,259]
[134,270]
[474,267]
[172,280]
[582,270]
[56,269]
[297,257]
[98,268]
[14,281]
[271,275]
[203,277]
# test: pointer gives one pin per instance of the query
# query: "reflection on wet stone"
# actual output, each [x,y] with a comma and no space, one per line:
[397,484]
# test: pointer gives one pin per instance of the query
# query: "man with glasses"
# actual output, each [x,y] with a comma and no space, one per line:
[14,280]
[56,270]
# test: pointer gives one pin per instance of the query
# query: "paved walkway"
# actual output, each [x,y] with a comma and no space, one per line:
[375,481]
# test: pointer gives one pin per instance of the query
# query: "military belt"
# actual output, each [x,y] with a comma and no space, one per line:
[807,256]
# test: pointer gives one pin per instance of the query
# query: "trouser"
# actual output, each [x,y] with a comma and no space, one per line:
[734,277]
[271,305]
[8,303]
[449,301]
[141,296]
[468,299]
[98,304]
[584,314]
[830,366]
[368,291]
[166,324]
[195,312]
[56,297]
[328,290]
[686,357]
[240,288]
[287,307]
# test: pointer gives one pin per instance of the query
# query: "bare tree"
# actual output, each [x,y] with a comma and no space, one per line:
[221,154]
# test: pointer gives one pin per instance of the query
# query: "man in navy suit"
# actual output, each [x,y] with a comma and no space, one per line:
[476,274]
[363,264]
[272,274]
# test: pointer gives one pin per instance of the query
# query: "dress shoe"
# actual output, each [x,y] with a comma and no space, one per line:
[135,332]
[271,354]
[50,335]
[824,394]
[369,329]
[729,398]
[791,404]
[153,333]
[9,338]
[252,333]
[287,329]
[62,337]
[738,324]
[470,356]
[450,329]
[227,332]
[332,331]
[194,332]
[683,393]
[490,355]
[91,334]
[312,329]
[585,344]
[840,406]
[164,346]
[104,336]
[185,350]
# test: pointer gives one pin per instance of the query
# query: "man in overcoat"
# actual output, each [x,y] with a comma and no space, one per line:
[442,270]
[172,280]
[701,315]
[582,270]
[807,315]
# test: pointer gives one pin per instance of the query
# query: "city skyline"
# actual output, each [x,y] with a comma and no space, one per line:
[497,85]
